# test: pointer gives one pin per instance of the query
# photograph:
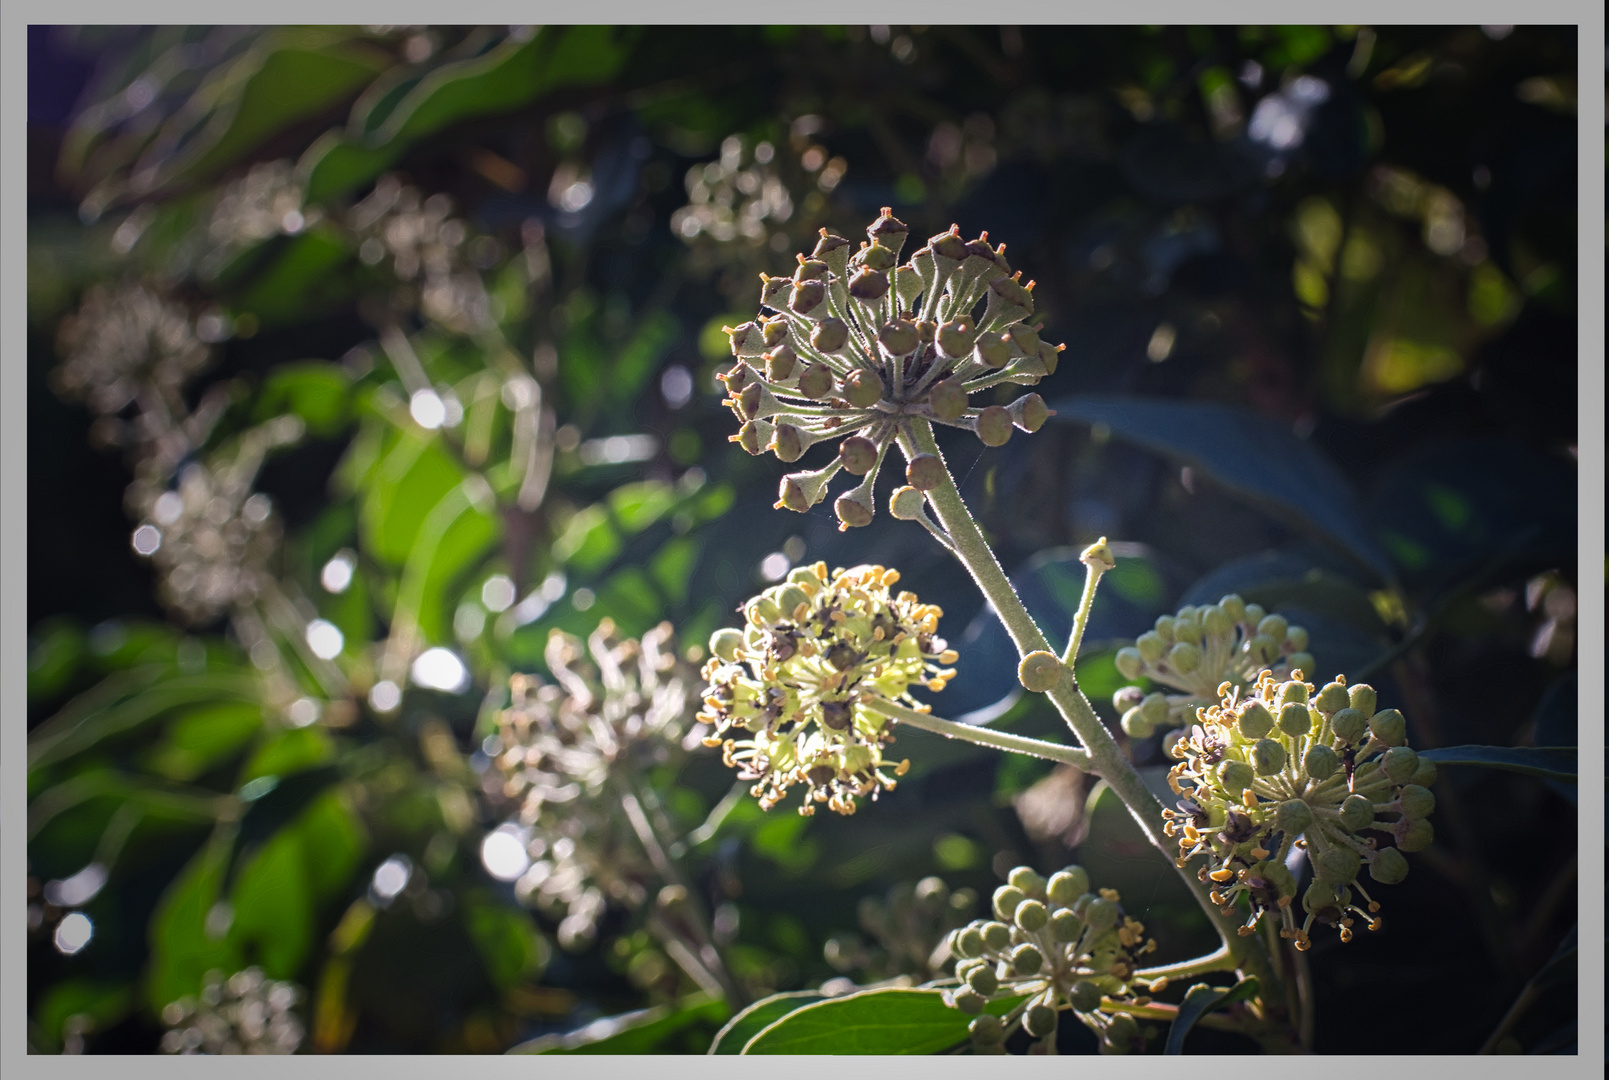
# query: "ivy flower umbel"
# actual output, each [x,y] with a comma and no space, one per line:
[910,931]
[1061,947]
[787,693]
[566,753]
[1195,652]
[1285,768]
[243,1014]
[860,346]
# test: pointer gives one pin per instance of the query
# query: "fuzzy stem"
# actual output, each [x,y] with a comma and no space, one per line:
[1000,740]
[1106,757]
[1094,569]
[1221,960]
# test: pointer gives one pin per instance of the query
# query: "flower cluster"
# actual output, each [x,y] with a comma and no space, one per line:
[1285,768]
[1058,946]
[910,927]
[795,682]
[244,1014]
[424,241]
[210,538]
[121,338]
[1195,652]
[266,202]
[743,195]
[860,347]
[566,752]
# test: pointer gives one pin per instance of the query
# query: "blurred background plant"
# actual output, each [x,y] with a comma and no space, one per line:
[362,360]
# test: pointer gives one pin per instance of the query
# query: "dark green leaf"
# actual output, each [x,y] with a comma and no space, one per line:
[507,939]
[1249,454]
[273,905]
[104,1003]
[732,1038]
[1198,1001]
[199,738]
[313,390]
[182,948]
[287,752]
[122,704]
[888,1021]
[1549,762]
[644,1032]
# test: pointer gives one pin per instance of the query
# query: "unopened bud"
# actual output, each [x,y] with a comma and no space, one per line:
[1363,698]
[858,454]
[1101,915]
[948,400]
[830,334]
[1424,774]
[1029,880]
[1235,776]
[1320,762]
[1067,885]
[1400,763]
[1293,817]
[1039,1021]
[1267,757]
[1184,657]
[1349,725]
[1273,626]
[1332,699]
[1336,866]
[1255,721]
[1417,802]
[986,1029]
[1388,866]
[994,426]
[898,337]
[1126,698]
[1233,606]
[1295,719]
[955,339]
[1006,899]
[1129,662]
[907,504]
[1151,647]
[862,388]
[925,472]
[969,1001]
[983,980]
[1026,959]
[1085,996]
[1389,727]
[1065,926]
[996,935]
[1413,835]
[1357,812]
[1031,916]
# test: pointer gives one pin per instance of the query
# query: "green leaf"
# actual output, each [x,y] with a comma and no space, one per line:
[53,658]
[1200,1000]
[300,282]
[1259,459]
[317,391]
[1548,762]
[645,1032]
[509,943]
[200,738]
[123,703]
[105,1003]
[732,1038]
[887,1021]
[333,843]
[182,950]
[288,752]
[589,540]
[273,905]
[508,77]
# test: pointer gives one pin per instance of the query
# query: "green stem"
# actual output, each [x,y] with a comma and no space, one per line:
[1106,757]
[1221,960]
[1000,740]
[1094,569]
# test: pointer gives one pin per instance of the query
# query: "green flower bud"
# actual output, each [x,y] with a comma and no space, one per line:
[1122,1031]
[1184,657]
[1026,959]
[969,943]
[983,981]
[1065,926]
[1417,802]
[994,426]
[1164,628]
[1216,624]
[830,334]
[1414,835]
[1296,639]
[1233,606]
[858,454]
[1187,630]
[1006,899]
[1320,762]
[1292,691]
[862,388]
[1349,725]
[1318,896]
[1332,699]
[1084,996]
[1081,905]
[969,1001]
[815,381]
[1039,1021]
[1254,614]
[1040,671]
[1388,866]
[1129,661]
[992,350]
[1262,649]
[1101,915]
[1301,661]
[1400,763]
[1067,885]
[1235,776]
[925,472]
[1255,720]
[1267,757]
[1424,773]
[1154,707]
[1293,817]
[852,513]
[1273,626]
[955,339]
[1029,880]
[1136,725]
[1357,812]
[1295,719]
[1031,916]
[807,296]
[1127,697]
[867,284]
[1276,874]
[986,1029]
[1151,647]
[1337,865]
[1389,726]
[1363,698]
[996,935]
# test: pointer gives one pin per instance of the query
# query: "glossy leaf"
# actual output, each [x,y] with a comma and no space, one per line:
[1198,1001]
[885,1021]
[1255,457]
[644,1032]
[732,1038]
[1548,762]
[183,947]
[506,937]
[314,390]
[202,737]
[273,905]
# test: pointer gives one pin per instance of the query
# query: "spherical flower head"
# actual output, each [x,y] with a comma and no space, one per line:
[1254,789]
[859,347]
[1197,650]
[907,932]
[243,1014]
[615,708]
[121,338]
[1059,947]
[787,696]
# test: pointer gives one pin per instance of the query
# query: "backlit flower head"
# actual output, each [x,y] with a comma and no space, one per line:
[787,693]
[1064,947]
[565,753]
[1283,769]
[860,346]
[1197,650]
[243,1014]
[122,338]
[909,929]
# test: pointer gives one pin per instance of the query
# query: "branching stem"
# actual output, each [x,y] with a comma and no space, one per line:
[1000,740]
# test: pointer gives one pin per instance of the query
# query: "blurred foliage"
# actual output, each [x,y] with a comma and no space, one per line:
[1317,286]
